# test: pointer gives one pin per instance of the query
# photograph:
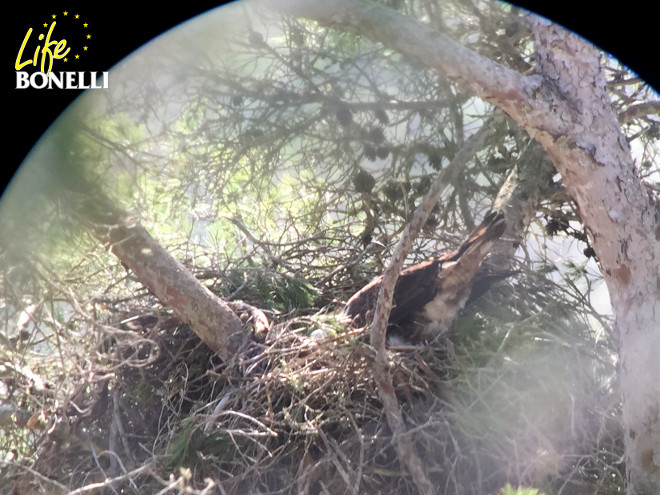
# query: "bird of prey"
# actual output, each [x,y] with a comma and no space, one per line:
[428,296]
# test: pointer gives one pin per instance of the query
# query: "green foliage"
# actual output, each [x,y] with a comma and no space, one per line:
[271,289]
[191,444]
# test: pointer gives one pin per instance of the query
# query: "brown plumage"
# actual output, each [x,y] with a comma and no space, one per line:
[428,296]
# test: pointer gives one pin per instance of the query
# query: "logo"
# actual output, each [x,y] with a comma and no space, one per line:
[62,41]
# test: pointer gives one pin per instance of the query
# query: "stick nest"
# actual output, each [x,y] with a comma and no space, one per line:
[156,411]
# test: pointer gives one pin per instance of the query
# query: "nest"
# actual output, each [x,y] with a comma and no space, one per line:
[158,412]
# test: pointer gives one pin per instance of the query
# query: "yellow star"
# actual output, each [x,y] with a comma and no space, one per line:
[85,48]
[65,13]
[45,24]
[77,16]
[66,59]
[54,16]
[89,36]
[85,25]
[77,56]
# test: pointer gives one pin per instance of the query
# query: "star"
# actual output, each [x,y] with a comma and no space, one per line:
[54,16]
[85,25]
[85,48]
[65,13]
[45,24]
[89,36]
[77,56]
[77,16]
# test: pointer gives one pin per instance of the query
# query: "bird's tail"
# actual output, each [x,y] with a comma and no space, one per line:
[482,238]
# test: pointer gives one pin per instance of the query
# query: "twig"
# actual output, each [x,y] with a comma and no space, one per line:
[109,481]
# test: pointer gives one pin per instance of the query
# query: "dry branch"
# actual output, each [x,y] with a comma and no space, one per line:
[208,316]
[403,441]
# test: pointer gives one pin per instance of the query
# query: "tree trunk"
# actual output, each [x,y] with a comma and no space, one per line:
[209,317]
[592,154]
[566,108]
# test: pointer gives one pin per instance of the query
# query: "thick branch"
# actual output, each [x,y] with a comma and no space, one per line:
[519,199]
[483,77]
[639,110]
[208,316]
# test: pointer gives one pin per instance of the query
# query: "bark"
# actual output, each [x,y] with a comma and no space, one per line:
[564,105]
[588,148]
[208,316]
[519,198]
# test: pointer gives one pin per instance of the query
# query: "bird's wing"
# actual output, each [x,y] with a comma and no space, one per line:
[419,284]
[414,288]
[457,274]
[363,302]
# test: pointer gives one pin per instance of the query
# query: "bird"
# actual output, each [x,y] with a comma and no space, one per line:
[429,295]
